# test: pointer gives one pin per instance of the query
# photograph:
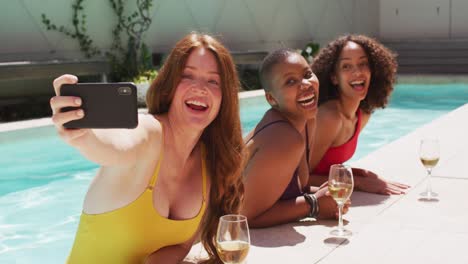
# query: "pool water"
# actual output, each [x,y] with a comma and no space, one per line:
[410,107]
[43,181]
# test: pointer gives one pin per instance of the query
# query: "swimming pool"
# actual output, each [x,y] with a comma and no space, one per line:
[43,181]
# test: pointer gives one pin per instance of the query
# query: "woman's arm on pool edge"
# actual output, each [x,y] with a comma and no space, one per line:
[269,170]
[267,174]
[368,181]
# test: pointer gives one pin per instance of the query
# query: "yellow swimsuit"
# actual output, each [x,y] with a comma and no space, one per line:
[129,234]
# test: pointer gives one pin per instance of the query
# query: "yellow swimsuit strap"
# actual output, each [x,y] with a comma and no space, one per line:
[158,166]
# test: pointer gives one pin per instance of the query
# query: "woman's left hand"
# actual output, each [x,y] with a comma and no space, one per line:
[367,181]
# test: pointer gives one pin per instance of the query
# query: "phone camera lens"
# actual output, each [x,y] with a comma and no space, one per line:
[125,91]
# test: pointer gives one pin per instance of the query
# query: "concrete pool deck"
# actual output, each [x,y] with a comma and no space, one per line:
[387,229]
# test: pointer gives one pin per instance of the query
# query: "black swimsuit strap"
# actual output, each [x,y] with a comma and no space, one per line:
[284,121]
[307,147]
[265,126]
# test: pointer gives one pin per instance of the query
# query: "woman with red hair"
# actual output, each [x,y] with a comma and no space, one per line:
[171,177]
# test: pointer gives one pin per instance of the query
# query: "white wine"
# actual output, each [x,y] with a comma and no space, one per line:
[340,191]
[232,252]
[429,162]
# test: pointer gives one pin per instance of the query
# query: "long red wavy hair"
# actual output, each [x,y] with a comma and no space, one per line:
[222,138]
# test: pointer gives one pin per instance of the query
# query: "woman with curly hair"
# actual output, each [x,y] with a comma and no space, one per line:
[356,75]
[173,175]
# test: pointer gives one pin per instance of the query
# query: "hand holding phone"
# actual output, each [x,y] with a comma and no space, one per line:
[105,105]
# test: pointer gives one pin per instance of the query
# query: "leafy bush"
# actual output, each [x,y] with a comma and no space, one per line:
[127,61]
[310,50]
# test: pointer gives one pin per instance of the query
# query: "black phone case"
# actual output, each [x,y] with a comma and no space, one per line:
[106,105]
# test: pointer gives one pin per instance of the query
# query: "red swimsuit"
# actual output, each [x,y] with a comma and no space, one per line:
[339,154]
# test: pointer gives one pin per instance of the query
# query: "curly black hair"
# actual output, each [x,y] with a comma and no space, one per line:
[382,64]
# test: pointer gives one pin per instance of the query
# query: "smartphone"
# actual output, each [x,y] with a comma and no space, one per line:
[106,105]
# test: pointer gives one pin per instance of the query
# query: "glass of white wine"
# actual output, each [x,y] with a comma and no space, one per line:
[429,153]
[233,239]
[340,186]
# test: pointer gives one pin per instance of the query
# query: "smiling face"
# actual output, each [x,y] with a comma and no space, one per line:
[198,95]
[352,72]
[294,88]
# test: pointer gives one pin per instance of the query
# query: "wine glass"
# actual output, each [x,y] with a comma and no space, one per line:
[340,186]
[233,238]
[429,154]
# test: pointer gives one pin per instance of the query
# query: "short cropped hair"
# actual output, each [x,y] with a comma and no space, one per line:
[272,59]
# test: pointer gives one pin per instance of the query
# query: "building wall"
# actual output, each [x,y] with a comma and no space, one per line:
[416,19]
[241,24]
[459,19]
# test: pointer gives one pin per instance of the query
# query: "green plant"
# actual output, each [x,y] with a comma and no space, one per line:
[145,77]
[135,58]
[78,31]
[127,61]
[310,50]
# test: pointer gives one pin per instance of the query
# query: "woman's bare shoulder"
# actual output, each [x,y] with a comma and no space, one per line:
[329,115]
[281,137]
[150,124]
[149,121]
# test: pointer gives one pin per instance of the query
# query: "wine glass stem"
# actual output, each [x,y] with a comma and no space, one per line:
[340,217]
[429,175]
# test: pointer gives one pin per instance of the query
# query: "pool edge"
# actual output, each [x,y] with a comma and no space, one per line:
[46,121]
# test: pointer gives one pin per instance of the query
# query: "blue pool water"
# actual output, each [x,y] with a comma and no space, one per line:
[43,181]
